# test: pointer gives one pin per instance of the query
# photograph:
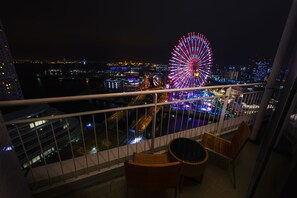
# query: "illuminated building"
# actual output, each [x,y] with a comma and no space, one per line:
[131,81]
[9,85]
[261,69]
[113,83]
[27,136]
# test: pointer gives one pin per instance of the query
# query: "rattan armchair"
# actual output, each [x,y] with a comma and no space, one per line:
[148,158]
[228,149]
[152,177]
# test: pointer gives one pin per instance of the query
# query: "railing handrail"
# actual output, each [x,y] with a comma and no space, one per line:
[171,122]
[122,94]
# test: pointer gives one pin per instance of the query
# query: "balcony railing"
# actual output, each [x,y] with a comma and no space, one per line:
[99,132]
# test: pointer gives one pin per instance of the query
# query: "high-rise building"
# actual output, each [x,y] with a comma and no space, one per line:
[9,84]
[34,141]
[261,69]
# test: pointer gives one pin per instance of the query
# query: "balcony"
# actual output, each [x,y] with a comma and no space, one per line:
[216,181]
[58,149]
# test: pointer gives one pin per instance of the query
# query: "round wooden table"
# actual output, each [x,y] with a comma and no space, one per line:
[192,154]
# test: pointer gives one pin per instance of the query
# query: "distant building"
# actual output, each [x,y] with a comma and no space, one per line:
[131,82]
[232,74]
[10,88]
[261,69]
[113,84]
[257,70]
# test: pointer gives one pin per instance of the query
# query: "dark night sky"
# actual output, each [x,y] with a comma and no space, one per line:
[142,30]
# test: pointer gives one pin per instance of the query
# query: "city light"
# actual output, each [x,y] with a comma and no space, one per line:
[136,140]
[94,150]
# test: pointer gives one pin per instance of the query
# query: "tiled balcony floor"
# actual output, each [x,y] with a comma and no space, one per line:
[216,183]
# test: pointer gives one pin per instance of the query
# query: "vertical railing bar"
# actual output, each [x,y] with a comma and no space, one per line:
[251,100]
[154,121]
[204,116]
[25,151]
[226,117]
[219,115]
[136,129]
[222,117]
[42,154]
[118,138]
[71,147]
[209,114]
[161,125]
[107,139]
[215,110]
[249,114]
[256,110]
[168,125]
[237,106]
[182,120]
[176,110]
[169,117]
[239,114]
[259,100]
[189,113]
[58,152]
[198,121]
[127,130]
[96,141]
[224,126]
[194,116]
[145,131]
[84,144]
[244,99]
[147,142]
[254,98]
[247,100]
[232,111]
[236,111]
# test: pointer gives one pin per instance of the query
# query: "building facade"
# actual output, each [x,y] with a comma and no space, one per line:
[9,84]
[34,142]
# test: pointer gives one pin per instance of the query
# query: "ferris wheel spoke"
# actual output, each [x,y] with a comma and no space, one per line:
[178,60]
[184,46]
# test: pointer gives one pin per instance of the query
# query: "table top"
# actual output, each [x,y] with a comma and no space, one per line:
[187,150]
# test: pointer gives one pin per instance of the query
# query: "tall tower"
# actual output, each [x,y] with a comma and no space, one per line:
[10,88]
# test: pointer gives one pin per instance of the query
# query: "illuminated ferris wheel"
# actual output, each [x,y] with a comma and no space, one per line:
[190,62]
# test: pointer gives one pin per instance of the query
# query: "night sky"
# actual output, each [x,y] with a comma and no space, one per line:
[142,30]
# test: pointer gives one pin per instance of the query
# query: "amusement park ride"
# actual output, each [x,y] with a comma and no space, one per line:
[189,66]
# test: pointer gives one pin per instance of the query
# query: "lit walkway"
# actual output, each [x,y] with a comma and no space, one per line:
[216,183]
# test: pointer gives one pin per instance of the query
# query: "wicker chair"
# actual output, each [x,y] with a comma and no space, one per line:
[147,158]
[153,177]
[228,149]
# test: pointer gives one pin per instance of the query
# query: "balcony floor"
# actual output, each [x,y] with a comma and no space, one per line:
[216,182]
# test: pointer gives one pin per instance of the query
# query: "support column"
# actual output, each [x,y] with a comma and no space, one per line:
[277,64]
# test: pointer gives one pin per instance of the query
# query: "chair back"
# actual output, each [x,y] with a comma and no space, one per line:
[240,138]
[148,158]
[152,177]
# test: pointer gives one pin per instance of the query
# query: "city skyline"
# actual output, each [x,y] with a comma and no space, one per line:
[142,31]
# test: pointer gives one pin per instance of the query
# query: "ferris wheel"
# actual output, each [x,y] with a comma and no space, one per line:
[191,62]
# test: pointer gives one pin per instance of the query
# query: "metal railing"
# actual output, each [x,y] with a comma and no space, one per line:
[98,132]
